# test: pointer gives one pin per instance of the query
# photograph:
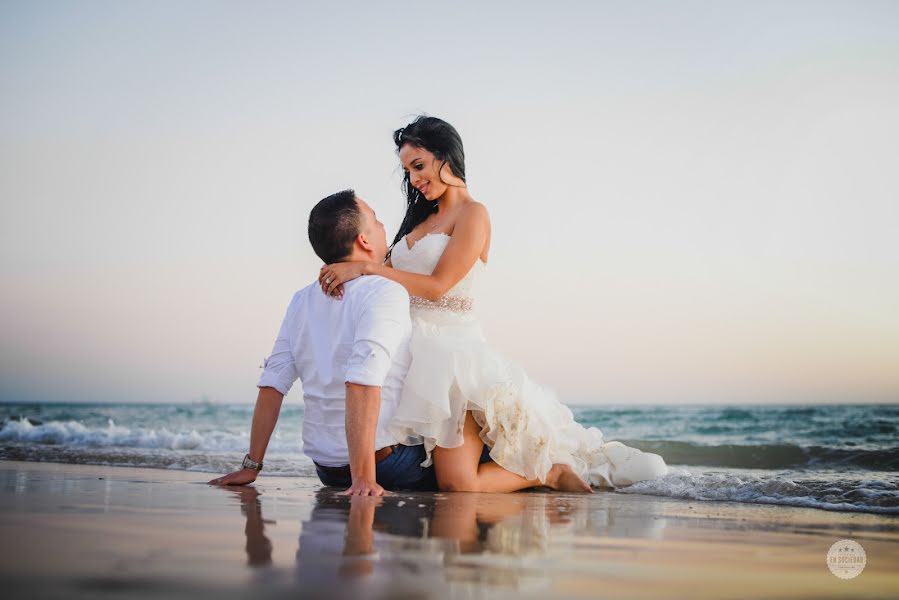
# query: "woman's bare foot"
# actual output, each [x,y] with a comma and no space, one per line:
[562,478]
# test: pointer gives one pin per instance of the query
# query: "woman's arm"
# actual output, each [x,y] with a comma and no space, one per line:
[464,248]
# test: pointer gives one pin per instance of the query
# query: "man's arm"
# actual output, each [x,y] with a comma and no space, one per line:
[363,406]
[381,326]
[265,417]
[277,378]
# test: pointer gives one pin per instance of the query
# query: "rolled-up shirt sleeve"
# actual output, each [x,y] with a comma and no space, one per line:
[280,370]
[382,325]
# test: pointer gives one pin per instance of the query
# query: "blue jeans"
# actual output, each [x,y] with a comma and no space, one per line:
[399,471]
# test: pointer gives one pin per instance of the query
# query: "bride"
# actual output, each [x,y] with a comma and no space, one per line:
[459,394]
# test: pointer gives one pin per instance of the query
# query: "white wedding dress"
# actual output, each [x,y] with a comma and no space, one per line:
[453,370]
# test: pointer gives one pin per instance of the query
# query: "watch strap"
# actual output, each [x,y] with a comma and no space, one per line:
[249,463]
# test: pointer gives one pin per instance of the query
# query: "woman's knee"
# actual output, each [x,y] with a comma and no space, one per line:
[457,483]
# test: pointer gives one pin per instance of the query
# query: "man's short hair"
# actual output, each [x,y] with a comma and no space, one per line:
[334,224]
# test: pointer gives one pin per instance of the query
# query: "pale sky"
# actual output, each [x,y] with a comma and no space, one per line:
[691,201]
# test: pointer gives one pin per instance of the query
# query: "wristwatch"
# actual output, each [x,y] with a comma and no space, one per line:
[249,463]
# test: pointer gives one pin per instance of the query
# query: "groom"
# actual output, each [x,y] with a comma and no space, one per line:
[351,356]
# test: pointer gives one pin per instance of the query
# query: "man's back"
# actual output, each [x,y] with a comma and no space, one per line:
[362,338]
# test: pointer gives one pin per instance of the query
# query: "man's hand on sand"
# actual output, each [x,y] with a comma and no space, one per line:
[364,487]
[242,477]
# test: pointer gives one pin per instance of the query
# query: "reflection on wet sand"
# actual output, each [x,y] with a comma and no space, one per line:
[259,546]
[427,543]
[79,531]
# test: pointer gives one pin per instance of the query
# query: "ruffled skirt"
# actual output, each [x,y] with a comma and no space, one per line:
[526,427]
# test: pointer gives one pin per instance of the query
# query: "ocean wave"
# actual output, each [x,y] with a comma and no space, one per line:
[76,434]
[285,465]
[872,496]
[769,456]
[835,492]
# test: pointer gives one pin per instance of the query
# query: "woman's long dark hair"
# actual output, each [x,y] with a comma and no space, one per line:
[443,141]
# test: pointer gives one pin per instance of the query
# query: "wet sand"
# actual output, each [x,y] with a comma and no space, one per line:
[79,531]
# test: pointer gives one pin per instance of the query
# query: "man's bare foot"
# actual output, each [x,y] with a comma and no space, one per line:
[562,478]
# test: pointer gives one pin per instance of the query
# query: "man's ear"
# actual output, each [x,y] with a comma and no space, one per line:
[363,242]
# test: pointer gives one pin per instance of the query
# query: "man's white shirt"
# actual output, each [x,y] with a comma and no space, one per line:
[326,343]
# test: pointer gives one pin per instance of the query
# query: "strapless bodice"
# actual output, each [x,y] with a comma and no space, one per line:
[423,257]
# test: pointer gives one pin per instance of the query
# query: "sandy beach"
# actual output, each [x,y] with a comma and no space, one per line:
[78,531]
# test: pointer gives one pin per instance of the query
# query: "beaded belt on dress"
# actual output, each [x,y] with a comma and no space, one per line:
[452,303]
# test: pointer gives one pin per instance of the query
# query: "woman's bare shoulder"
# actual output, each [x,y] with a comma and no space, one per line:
[474,212]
